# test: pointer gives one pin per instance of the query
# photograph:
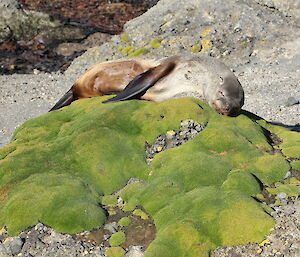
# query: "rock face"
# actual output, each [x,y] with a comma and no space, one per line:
[21,24]
[199,194]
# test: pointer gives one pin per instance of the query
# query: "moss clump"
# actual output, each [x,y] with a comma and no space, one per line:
[129,206]
[117,238]
[154,43]
[140,213]
[196,49]
[110,200]
[138,52]
[114,252]
[124,222]
[59,165]
[127,50]
[296,165]
[124,38]
[289,190]
[62,201]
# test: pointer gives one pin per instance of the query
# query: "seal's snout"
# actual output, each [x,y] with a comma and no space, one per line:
[225,108]
[230,97]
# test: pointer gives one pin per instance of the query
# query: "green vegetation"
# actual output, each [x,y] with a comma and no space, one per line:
[124,222]
[110,200]
[117,238]
[59,166]
[114,252]
[140,213]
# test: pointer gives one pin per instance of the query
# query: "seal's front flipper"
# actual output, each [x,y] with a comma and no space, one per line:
[67,99]
[141,83]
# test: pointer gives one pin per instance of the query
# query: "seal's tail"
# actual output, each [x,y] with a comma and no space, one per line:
[141,83]
[67,99]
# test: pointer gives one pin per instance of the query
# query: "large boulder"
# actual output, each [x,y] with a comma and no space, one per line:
[235,32]
[21,24]
[200,194]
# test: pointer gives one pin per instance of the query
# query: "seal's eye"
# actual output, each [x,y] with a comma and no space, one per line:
[221,79]
[221,94]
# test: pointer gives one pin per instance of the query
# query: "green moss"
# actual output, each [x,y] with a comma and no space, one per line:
[62,201]
[129,206]
[295,165]
[110,200]
[111,212]
[127,192]
[124,222]
[199,194]
[124,38]
[241,181]
[117,238]
[126,50]
[140,213]
[114,252]
[138,52]
[196,49]
[154,43]
[290,190]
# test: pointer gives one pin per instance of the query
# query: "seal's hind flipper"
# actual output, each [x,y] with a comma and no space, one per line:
[67,99]
[141,83]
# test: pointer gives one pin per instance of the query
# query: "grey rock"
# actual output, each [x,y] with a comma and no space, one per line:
[288,175]
[9,3]
[134,251]
[135,180]
[120,201]
[3,251]
[232,31]
[188,130]
[111,227]
[287,8]
[13,245]
[24,24]
[281,195]
[40,227]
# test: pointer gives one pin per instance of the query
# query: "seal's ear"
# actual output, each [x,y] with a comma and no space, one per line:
[141,83]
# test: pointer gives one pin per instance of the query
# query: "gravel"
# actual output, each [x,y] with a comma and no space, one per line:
[26,96]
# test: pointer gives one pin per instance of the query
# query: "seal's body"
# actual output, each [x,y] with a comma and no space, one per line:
[159,80]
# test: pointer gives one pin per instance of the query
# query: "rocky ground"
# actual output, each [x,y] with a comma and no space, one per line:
[258,39]
[43,241]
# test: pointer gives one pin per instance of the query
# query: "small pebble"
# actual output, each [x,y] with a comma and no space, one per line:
[281,195]
[111,227]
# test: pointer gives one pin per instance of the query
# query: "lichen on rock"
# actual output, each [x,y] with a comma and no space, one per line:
[199,194]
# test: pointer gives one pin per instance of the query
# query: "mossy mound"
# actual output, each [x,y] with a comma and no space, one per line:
[58,166]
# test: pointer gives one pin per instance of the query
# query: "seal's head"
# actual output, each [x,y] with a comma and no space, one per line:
[229,97]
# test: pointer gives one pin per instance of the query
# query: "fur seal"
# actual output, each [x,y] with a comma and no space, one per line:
[158,80]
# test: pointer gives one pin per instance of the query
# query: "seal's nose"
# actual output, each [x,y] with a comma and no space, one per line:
[226,108]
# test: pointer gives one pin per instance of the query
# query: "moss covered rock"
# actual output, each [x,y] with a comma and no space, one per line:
[114,252]
[58,166]
[117,239]
[124,222]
